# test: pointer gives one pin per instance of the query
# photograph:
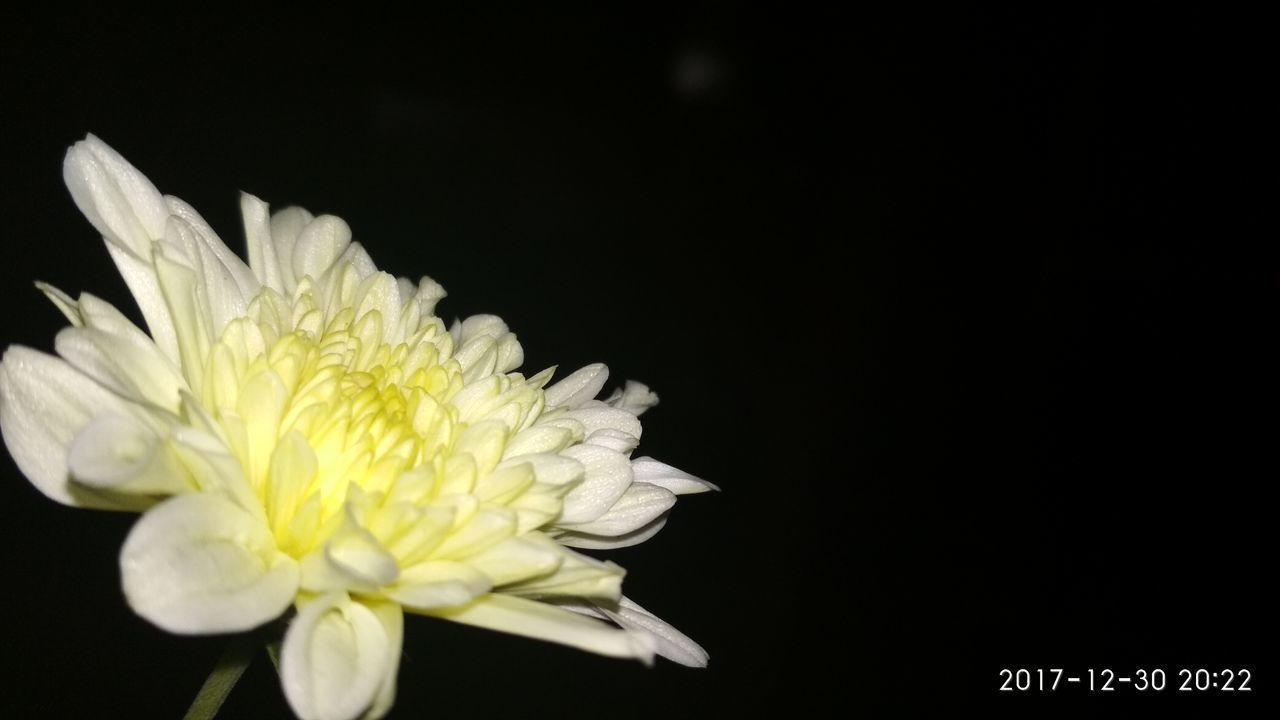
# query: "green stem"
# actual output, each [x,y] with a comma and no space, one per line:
[223,678]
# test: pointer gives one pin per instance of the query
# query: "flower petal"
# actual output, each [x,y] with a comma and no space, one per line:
[577,576]
[608,475]
[117,452]
[117,199]
[634,397]
[262,251]
[199,563]
[672,644]
[651,471]
[392,618]
[578,387]
[286,226]
[597,542]
[439,584]
[136,370]
[44,403]
[336,659]
[540,621]
[518,558]
[140,277]
[319,243]
[595,415]
[640,505]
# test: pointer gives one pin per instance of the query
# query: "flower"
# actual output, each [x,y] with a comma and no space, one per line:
[303,431]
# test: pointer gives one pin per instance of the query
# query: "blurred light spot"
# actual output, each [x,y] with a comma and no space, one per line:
[696,72]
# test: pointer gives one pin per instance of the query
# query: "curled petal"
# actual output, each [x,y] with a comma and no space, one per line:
[336,659]
[44,403]
[117,452]
[634,397]
[199,563]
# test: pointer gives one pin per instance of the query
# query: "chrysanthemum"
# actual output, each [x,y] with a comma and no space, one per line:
[304,432]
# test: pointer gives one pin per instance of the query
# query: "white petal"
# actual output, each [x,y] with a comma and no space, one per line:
[219,294]
[634,397]
[262,251]
[672,644]
[392,619]
[651,471]
[118,452]
[44,403]
[517,559]
[133,367]
[143,284]
[319,245]
[577,576]
[439,584]
[352,559]
[199,564]
[550,469]
[539,439]
[335,659]
[608,475]
[579,387]
[615,440]
[179,287]
[595,415]
[640,505]
[597,542]
[357,257]
[63,301]
[214,252]
[137,347]
[117,199]
[476,326]
[286,226]
[532,619]
[429,294]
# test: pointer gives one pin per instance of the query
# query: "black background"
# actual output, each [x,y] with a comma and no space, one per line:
[970,314]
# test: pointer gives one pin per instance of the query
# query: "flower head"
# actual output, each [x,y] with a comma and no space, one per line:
[303,431]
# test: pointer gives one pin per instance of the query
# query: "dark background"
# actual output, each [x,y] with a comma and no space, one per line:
[970,314]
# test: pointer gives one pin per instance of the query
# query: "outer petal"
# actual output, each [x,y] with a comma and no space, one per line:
[598,542]
[640,505]
[392,618]
[117,199]
[336,659]
[672,644]
[136,370]
[199,564]
[117,452]
[608,475]
[679,482]
[44,403]
[578,387]
[532,619]
[634,397]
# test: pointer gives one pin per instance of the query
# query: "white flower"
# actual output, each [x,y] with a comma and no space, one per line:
[303,431]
